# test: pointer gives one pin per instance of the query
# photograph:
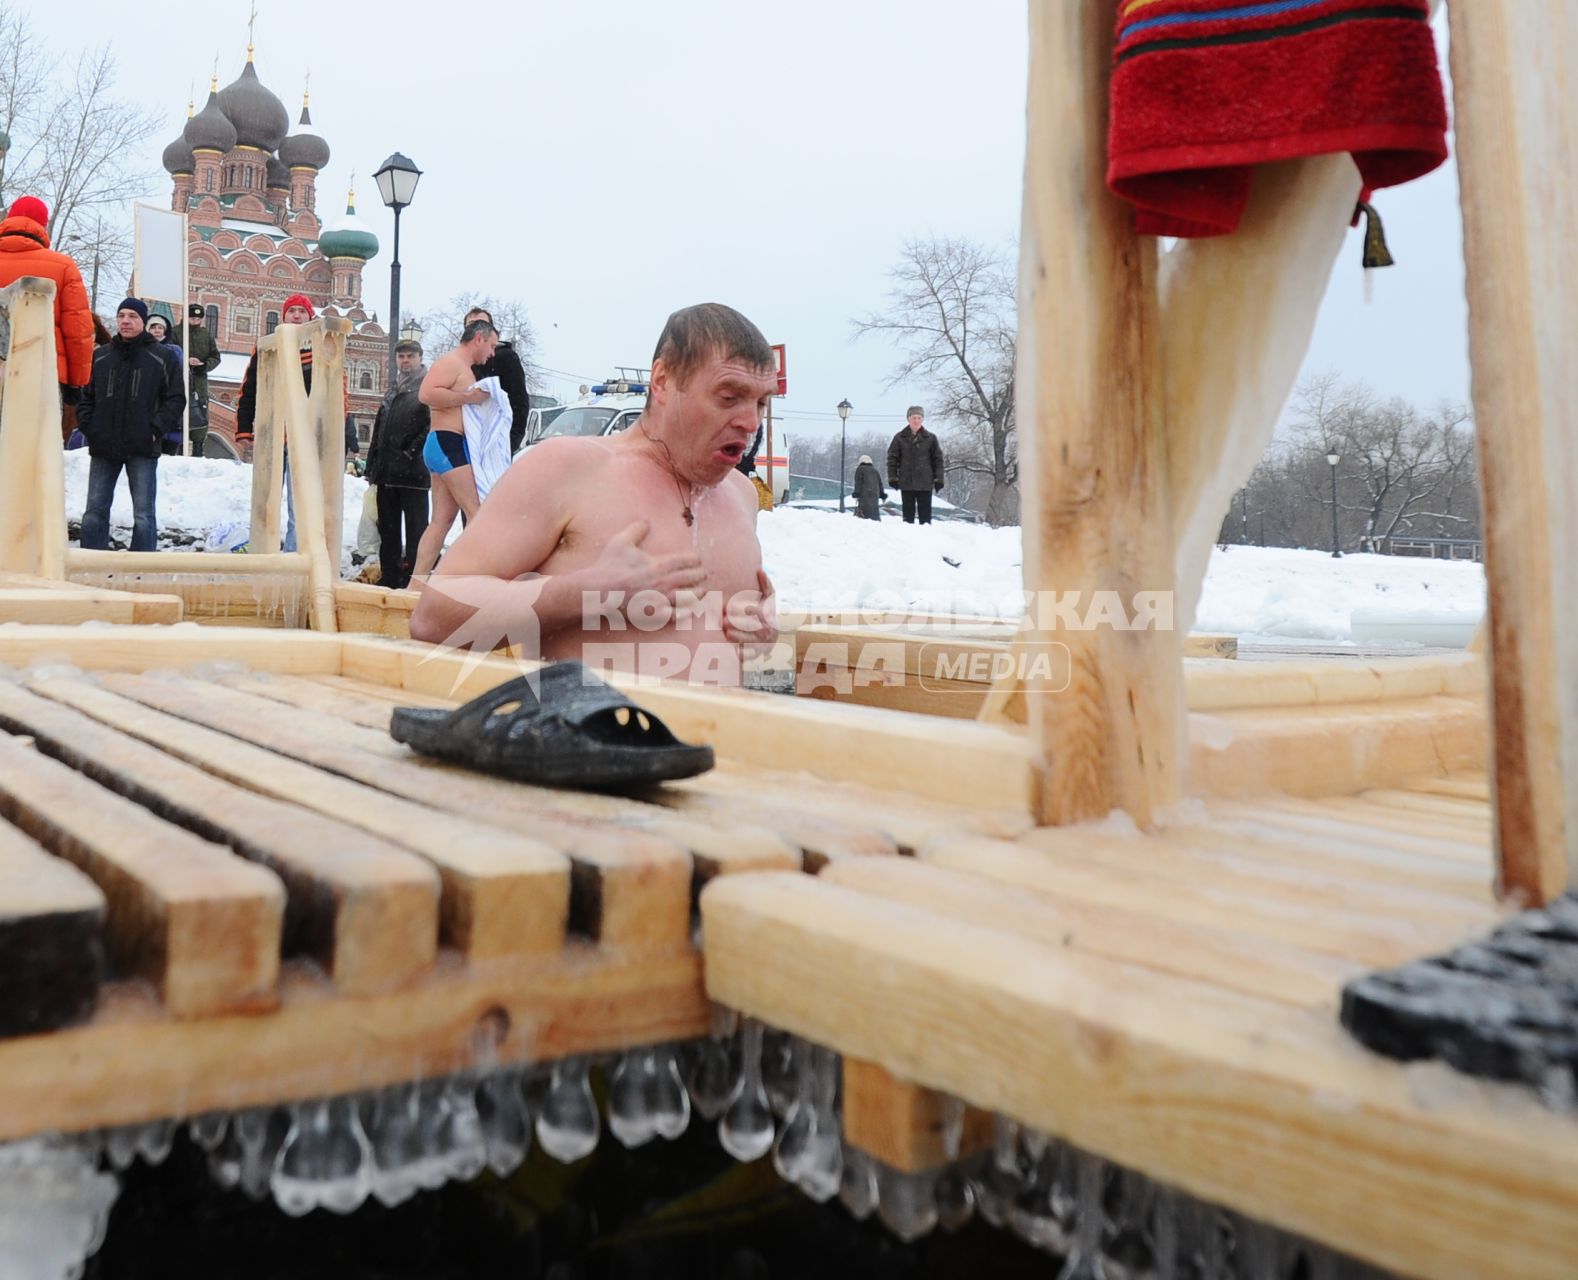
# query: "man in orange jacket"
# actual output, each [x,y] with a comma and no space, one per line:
[25,251]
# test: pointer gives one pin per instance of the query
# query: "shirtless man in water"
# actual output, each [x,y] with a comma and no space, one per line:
[449,385]
[635,552]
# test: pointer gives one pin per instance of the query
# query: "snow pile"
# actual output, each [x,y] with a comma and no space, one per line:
[1273,593]
[196,497]
[820,560]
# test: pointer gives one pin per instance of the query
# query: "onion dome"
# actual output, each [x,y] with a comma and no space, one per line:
[259,117]
[277,176]
[178,158]
[305,148]
[210,129]
[348,236]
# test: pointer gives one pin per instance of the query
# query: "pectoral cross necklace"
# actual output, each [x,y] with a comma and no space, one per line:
[687,493]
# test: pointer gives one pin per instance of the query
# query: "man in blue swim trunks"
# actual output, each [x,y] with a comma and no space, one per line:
[448,387]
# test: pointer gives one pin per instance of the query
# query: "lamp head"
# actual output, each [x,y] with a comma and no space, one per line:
[397,178]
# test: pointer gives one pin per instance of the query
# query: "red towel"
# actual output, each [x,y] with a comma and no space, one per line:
[1204,89]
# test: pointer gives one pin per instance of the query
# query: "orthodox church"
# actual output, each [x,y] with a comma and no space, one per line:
[247,182]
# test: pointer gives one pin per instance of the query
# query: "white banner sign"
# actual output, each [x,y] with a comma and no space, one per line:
[159,261]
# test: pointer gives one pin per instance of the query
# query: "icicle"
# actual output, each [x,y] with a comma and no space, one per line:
[857,1187]
[1084,1259]
[631,1088]
[794,1139]
[746,1129]
[1262,1250]
[1040,1212]
[155,1140]
[710,1078]
[208,1131]
[1129,1251]
[1164,1233]
[670,1102]
[955,1198]
[506,1123]
[824,1163]
[906,1202]
[120,1146]
[325,1160]
[567,1125]
[395,1135]
[467,1154]
[783,1056]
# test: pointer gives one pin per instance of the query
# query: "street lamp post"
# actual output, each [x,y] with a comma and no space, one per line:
[843,440]
[396,178]
[1243,515]
[1336,549]
[98,244]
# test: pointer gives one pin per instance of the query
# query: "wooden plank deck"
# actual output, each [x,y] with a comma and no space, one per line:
[1167,1001]
[1170,1002]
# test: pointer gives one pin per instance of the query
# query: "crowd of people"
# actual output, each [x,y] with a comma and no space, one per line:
[579,520]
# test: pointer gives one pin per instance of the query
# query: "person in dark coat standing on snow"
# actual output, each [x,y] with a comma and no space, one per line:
[395,468]
[202,354]
[868,490]
[505,365]
[915,466]
[132,399]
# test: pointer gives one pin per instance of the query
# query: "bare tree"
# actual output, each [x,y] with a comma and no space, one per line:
[1399,472]
[441,328]
[952,309]
[74,143]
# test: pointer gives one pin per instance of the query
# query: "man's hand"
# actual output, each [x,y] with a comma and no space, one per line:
[477,395]
[196,362]
[753,623]
[624,566]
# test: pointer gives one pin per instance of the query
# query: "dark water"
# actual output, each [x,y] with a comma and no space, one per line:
[683,1209]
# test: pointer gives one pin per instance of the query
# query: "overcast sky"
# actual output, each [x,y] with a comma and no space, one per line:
[606,161]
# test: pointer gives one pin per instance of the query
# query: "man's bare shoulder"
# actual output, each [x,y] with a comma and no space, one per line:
[738,486]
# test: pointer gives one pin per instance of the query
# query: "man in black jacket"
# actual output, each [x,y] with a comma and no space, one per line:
[133,398]
[915,466]
[506,366]
[395,468]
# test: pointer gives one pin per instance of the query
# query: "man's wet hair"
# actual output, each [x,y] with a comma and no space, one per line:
[476,328]
[481,311]
[695,334]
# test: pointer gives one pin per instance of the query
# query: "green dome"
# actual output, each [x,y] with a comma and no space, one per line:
[348,236]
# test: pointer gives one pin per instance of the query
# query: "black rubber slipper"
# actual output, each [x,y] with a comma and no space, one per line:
[572,730]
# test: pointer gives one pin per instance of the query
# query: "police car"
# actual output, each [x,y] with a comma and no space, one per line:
[614,405]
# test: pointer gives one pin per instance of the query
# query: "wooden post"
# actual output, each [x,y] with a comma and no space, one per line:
[267,445]
[1517,134]
[306,479]
[1093,448]
[29,542]
[328,422]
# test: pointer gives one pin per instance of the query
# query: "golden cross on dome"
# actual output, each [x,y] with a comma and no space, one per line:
[213,81]
[306,90]
[250,23]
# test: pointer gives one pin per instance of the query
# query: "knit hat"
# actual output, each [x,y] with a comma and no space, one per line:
[866,458]
[30,207]
[913,410]
[299,300]
[134,304]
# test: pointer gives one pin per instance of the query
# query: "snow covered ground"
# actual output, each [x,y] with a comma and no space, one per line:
[821,560]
